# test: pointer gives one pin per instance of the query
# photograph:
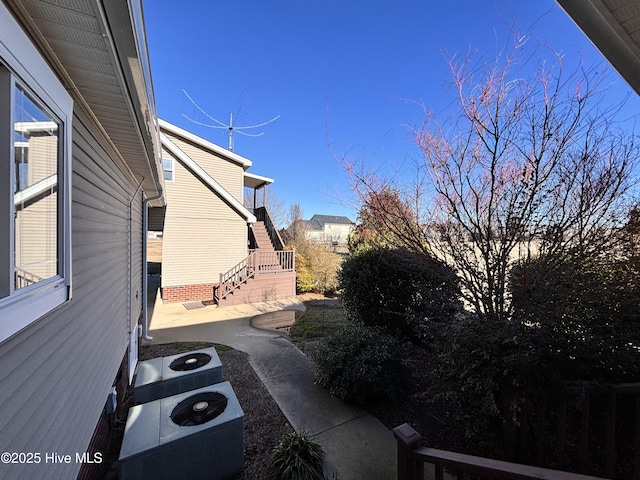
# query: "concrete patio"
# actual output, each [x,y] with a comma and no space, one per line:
[358,446]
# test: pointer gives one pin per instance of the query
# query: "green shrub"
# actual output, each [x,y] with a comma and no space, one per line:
[304,275]
[472,371]
[402,292]
[298,456]
[579,317]
[316,268]
[360,364]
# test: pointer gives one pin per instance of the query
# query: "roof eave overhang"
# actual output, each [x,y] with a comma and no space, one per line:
[598,23]
[98,48]
[125,20]
[251,180]
[206,144]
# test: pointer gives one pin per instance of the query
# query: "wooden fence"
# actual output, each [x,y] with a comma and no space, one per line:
[587,429]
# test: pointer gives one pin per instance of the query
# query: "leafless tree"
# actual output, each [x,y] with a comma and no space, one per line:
[275,205]
[295,233]
[532,165]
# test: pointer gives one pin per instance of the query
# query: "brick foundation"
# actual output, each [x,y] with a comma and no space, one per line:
[188,293]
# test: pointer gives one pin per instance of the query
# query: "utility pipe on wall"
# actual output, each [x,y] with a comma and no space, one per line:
[133,199]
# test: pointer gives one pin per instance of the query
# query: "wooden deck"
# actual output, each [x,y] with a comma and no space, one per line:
[262,288]
[263,276]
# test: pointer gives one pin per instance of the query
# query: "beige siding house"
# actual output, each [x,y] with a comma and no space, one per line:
[209,235]
[80,161]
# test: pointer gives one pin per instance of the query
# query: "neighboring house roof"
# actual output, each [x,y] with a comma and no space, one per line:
[612,26]
[100,52]
[199,172]
[318,222]
[206,144]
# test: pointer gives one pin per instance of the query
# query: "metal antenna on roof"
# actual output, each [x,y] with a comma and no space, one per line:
[231,127]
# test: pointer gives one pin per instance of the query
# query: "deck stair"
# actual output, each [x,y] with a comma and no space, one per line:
[267,273]
[261,236]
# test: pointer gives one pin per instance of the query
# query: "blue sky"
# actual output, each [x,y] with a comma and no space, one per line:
[350,73]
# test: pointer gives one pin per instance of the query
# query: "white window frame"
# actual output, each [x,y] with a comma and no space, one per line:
[21,64]
[172,169]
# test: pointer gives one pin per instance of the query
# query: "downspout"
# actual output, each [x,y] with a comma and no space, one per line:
[133,199]
[145,221]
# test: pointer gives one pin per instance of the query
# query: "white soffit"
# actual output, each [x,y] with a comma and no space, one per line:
[252,180]
[614,28]
[98,47]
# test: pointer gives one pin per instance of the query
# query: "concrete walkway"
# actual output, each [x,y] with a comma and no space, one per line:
[357,445]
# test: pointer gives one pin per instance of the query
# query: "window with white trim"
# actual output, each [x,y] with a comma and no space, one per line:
[35,173]
[168,169]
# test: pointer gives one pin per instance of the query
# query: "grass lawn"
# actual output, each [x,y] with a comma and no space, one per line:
[322,316]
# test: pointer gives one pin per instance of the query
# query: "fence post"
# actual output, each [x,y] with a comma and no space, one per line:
[408,468]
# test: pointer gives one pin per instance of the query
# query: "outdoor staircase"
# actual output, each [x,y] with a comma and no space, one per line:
[267,273]
[261,237]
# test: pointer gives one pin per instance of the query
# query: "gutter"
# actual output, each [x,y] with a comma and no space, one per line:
[145,284]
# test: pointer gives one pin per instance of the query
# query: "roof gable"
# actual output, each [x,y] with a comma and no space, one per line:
[205,144]
[203,176]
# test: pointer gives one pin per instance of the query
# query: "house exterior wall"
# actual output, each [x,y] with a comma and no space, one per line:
[337,232]
[331,234]
[228,174]
[203,236]
[56,373]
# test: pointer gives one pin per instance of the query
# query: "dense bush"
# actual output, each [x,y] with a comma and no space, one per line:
[316,268]
[397,290]
[298,456]
[579,317]
[304,275]
[359,364]
[571,322]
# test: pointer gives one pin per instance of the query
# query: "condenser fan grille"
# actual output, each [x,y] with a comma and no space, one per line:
[198,409]
[190,362]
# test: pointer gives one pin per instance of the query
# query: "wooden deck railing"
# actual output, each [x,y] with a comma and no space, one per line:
[235,276]
[591,429]
[262,214]
[256,263]
[412,458]
[280,261]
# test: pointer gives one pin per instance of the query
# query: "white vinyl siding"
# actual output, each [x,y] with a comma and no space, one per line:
[198,256]
[228,174]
